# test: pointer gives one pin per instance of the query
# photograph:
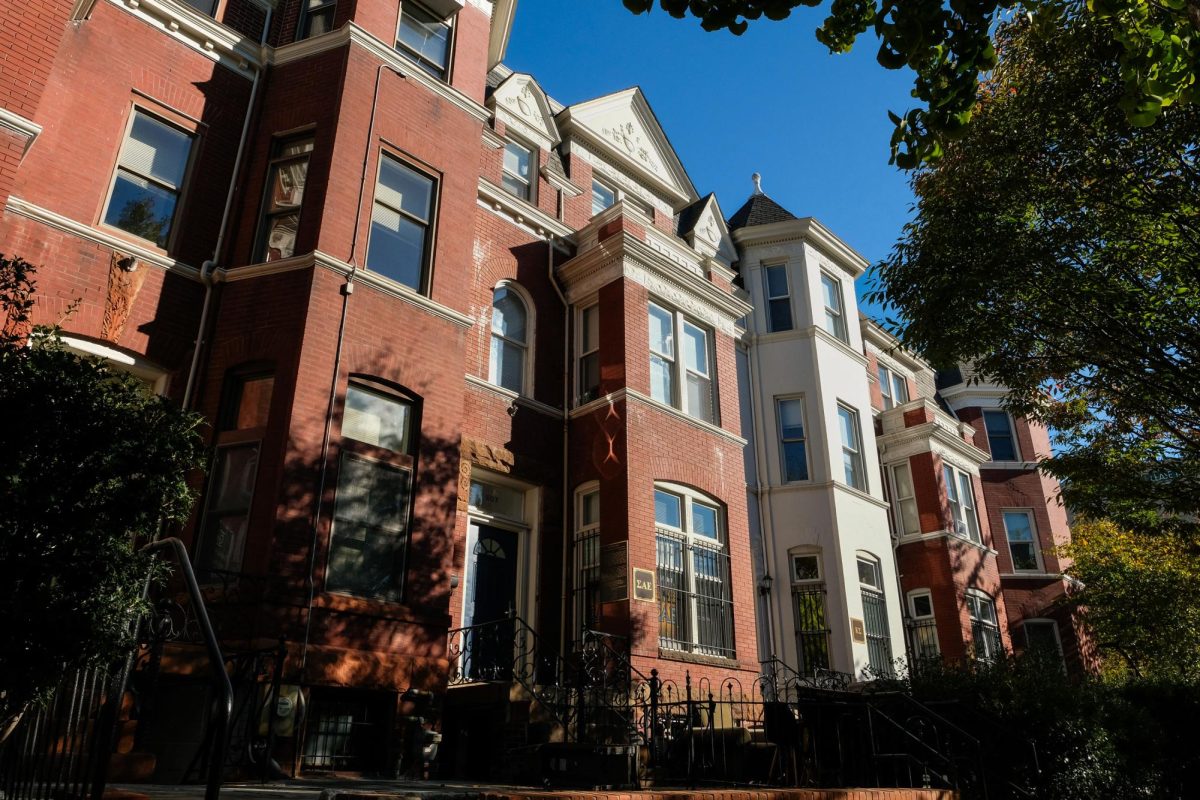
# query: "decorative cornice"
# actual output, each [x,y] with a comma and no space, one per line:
[569,127]
[491,139]
[326,261]
[810,486]
[20,126]
[502,21]
[808,230]
[514,397]
[559,182]
[524,214]
[846,349]
[351,33]
[100,237]
[199,32]
[930,437]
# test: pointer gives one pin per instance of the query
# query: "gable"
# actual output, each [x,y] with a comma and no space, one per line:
[521,104]
[709,234]
[623,128]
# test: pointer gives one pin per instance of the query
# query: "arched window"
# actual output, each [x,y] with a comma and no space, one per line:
[694,599]
[510,339]
[985,628]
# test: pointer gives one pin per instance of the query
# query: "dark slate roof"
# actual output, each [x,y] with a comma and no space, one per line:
[949,377]
[687,218]
[554,164]
[759,210]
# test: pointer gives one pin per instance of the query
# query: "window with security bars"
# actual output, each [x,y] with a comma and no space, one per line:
[695,609]
[587,559]
[923,636]
[401,220]
[875,620]
[812,627]
[986,644]
[149,179]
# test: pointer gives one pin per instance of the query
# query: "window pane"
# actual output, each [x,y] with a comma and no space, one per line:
[281,236]
[777,283]
[589,329]
[922,605]
[427,37]
[780,311]
[904,485]
[156,150]
[885,388]
[700,397]
[404,189]
[397,247]
[206,7]
[1017,526]
[366,554]
[868,573]
[667,509]
[661,333]
[287,185]
[695,348]
[589,377]
[514,186]
[791,418]
[1041,636]
[951,486]
[507,365]
[602,197]
[900,389]
[376,419]
[848,427]
[806,568]
[704,520]
[1000,436]
[508,314]
[517,160]
[254,401]
[500,501]
[141,208]
[318,17]
[590,509]
[661,383]
[795,461]
[832,293]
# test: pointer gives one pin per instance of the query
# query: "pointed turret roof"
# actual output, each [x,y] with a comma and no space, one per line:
[759,210]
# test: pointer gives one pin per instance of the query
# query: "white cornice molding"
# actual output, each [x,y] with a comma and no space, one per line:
[564,185]
[491,139]
[950,536]
[328,262]
[807,230]
[844,347]
[521,213]
[20,126]
[874,334]
[930,437]
[503,12]
[100,237]
[812,486]
[1035,576]
[199,32]
[476,382]
[351,33]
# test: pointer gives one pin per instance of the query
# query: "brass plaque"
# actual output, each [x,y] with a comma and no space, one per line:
[643,584]
[858,632]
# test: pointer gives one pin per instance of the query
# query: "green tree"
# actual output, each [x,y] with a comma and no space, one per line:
[949,45]
[1140,594]
[91,463]
[1057,246]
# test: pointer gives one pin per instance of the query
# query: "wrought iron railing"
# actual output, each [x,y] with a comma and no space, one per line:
[923,647]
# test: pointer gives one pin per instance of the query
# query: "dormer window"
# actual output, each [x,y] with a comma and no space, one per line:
[424,39]
[518,170]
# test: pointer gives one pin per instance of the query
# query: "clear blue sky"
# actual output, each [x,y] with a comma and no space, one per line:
[772,101]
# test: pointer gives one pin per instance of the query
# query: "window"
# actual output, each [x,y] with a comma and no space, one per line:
[875,621]
[693,372]
[852,457]
[779,300]
[287,175]
[893,386]
[792,442]
[960,491]
[1001,440]
[510,340]
[1022,541]
[587,557]
[835,317]
[923,626]
[517,179]
[1042,635]
[908,520]
[603,196]
[589,353]
[424,39]
[695,609]
[374,486]
[241,424]
[808,608]
[149,179]
[317,18]
[985,631]
[400,224]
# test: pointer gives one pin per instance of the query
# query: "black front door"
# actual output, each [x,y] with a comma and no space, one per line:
[491,597]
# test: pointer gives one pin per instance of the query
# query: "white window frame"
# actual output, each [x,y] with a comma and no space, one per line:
[693,541]
[953,478]
[806,553]
[770,298]
[783,441]
[581,354]
[1037,550]
[644,208]
[926,623]
[890,380]
[841,331]
[1012,432]
[972,597]
[912,603]
[605,185]
[854,449]
[179,190]
[898,500]
[677,364]
[530,183]
[526,346]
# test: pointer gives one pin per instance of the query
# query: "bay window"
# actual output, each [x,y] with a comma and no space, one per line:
[1022,541]
[149,179]
[424,39]
[855,472]
[685,379]
[960,492]
[1001,441]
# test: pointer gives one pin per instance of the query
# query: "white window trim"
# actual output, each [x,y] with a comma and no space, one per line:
[979,594]
[860,456]
[843,332]
[1037,550]
[582,531]
[679,370]
[587,305]
[530,335]
[806,552]
[958,474]
[766,283]
[1053,623]
[620,195]
[865,555]
[912,595]
[534,159]
[1012,430]
[807,439]
[887,386]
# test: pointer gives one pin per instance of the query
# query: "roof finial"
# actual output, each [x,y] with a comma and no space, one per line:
[757,183]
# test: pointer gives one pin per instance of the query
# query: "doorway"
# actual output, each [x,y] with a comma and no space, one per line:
[490,602]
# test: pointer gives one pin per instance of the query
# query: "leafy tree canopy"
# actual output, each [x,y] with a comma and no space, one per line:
[1057,246]
[949,45]
[91,463]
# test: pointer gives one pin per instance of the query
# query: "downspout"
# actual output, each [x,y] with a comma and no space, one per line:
[347,289]
[568,502]
[759,466]
[206,269]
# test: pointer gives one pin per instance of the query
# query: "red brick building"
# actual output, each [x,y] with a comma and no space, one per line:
[447,335]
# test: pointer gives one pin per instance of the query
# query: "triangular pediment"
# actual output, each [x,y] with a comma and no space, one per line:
[708,233]
[624,128]
[522,105]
